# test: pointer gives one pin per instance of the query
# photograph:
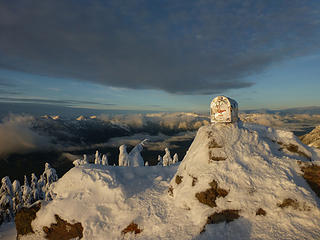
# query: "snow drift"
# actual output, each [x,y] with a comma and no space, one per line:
[246,172]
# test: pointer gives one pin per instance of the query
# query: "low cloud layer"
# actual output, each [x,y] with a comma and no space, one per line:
[24,134]
[158,122]
[298,123]
[16,136]
[184,47]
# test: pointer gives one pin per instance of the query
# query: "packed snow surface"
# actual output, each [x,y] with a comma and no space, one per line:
[255,167]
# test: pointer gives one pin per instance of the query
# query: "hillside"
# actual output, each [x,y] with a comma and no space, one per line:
[237,181]
[313,138]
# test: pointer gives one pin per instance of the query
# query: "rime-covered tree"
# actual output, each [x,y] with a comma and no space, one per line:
[41,185]
[175,158]
[104,160]
[6,186]
[135,158]
[123,156]
[6,204]
[160,160]
[26,192]
[35,190]
[49,176]
[6,208]
[17,196]
[146,163]
[84,160]
[97,159]
[167,160]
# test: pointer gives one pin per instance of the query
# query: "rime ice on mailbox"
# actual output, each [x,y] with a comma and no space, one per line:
[223,109]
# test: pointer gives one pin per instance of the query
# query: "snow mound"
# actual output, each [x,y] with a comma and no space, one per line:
[245,168]
[105,200]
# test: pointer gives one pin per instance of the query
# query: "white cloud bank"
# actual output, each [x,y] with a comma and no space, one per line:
[16,136]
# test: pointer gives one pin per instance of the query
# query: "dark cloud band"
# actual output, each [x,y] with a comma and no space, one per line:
[51,101]
[184,47]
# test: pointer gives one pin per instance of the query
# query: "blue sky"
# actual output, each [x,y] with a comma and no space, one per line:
[160,55]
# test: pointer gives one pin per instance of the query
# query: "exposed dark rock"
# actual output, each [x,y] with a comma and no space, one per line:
[194,181]
[294,149]
[209,196]
[24,218]
[311,173]
[212,157]
[213,144]
[62,230]
[227,215]
[178,179]
[289,202]
[133,228]
[170,191]
[261,212]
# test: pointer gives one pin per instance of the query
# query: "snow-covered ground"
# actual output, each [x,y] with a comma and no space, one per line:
[255,167]
[8,231]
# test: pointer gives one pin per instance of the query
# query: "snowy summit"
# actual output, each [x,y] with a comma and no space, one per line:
[237,181]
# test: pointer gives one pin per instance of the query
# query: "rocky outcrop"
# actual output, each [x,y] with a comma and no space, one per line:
[23,219]
[62,230]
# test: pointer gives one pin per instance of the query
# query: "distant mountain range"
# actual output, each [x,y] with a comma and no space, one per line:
[298,110]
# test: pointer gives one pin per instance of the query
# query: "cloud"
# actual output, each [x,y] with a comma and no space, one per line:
[158,122]
[16,136]
[52,101]
[298,123]
[184,47]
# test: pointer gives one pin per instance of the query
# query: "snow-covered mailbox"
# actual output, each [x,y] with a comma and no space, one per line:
[223,109]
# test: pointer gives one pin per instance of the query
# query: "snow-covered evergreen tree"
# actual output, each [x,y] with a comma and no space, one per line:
[26,192]
[41,185]
[35,191]
[6,204]
[104,160]
[17,196]
[97,159]
[49,176]
[135,158]
[6,208]
[167,160]
[6,186]
[123,156]
[160,160]
[146,163]
[84,160]
[175,158]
